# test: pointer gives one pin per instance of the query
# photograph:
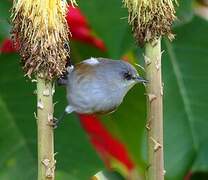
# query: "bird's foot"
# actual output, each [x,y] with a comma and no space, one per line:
[53,123]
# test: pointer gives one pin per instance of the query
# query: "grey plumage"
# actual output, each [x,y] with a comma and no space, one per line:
[98,85]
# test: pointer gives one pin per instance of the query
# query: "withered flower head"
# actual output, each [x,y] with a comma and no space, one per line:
[41,31]
[150,19]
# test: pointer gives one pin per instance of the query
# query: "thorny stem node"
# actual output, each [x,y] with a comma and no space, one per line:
[155,112]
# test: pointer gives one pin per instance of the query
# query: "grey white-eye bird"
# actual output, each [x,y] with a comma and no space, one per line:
[98,85]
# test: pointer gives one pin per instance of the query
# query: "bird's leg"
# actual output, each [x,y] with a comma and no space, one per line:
[69,109]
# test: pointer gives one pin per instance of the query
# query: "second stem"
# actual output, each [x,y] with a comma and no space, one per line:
[154,110]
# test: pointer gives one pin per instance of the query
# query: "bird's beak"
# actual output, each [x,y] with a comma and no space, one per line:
[141,80]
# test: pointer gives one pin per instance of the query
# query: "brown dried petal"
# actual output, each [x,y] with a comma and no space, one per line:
[41,40]
[150,19]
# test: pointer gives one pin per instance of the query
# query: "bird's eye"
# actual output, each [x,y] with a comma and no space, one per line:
[127,76]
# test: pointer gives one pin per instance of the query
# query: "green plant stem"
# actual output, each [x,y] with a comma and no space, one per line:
[154,110]
[46,162]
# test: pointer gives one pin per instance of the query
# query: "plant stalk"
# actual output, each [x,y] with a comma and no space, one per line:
[46,162]
[154,110]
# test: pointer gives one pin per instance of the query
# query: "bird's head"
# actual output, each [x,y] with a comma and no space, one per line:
[129,75]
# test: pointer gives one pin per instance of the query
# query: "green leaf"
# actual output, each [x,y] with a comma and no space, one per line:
[107,175]
[200,162]
[109,20]
[81,51]
[18,130]
[5,7]
[16,161]
[201,176]
[62,175]
[184,11]
[185,73]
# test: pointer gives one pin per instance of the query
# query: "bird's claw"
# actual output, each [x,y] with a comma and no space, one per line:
[54,123]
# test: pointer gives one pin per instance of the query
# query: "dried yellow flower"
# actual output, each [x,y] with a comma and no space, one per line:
[42,32]
[150,19]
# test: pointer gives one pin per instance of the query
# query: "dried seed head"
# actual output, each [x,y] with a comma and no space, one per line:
[150,19]
[41,32]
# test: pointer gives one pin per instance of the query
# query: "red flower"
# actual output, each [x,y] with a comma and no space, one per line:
[7,46]
[76,18]
[104,142]
[188,176]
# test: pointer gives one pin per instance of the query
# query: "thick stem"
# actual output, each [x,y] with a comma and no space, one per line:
[154,110]
[46,162]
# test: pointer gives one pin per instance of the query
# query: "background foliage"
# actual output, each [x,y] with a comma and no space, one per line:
[185,62]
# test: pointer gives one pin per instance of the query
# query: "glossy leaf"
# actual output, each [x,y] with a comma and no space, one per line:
[185,71]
